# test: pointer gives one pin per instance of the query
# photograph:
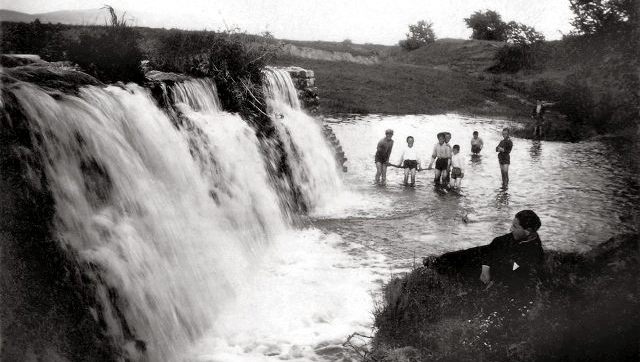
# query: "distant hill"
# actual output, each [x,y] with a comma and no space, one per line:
[73,17]
[472,56]
[16,16]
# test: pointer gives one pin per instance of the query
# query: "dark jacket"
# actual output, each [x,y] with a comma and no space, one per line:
[514,262]
[500,255]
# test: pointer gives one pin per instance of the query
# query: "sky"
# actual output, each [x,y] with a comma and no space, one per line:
[372,21]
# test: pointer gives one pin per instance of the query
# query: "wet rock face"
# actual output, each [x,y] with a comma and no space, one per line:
[53,77]
[304,80]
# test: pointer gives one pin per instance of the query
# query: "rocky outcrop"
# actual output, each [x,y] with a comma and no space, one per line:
[331,137]
[55,77]
[305,82]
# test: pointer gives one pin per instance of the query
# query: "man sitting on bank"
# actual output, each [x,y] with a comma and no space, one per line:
[514,259]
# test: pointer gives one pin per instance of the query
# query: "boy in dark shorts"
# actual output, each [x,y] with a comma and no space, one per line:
[476,143]
[409,161]
[383,151]
[441,153]
[504,157]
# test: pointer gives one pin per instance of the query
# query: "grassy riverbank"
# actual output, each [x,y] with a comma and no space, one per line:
[591,79]
[585,309]
[405,83]
[396,88]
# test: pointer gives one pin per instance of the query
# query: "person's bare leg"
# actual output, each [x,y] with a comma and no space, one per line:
[436,177]
[504,170]
[406,176]
[384,174]
[378,172]
[413,177]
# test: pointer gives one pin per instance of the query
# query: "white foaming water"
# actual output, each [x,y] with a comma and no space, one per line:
[315,169]
[149,226]
[228,152]
[185,226]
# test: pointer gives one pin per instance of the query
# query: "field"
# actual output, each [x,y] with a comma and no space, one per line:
[401,84]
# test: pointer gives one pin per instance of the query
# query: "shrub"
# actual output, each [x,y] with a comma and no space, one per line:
[420,34]
[111,54]
[234,61]
[523,46]
[576,101]
[512,59]
[47,40]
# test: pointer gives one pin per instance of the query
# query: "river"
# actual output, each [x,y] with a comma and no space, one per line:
[583,192]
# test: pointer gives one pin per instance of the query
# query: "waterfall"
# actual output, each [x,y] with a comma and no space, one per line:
[132,200]
[175,219]
[315,169]
[280,89]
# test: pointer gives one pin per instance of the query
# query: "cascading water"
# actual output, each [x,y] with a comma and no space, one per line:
[181,230]
[131,200]
[315,168]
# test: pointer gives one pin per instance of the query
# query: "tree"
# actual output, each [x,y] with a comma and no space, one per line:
[420,34]
[519,52]
[487,25]
[596,16]
[523,35]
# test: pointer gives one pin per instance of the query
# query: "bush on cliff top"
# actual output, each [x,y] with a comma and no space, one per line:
[233,59]
[111,54]
[585,308]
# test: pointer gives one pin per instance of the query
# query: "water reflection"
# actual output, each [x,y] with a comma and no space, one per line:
[502,197]
[535,150]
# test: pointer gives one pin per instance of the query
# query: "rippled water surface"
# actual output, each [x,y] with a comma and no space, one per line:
[584,192]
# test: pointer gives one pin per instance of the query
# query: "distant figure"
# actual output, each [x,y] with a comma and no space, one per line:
[504,157]
[476,143]
[441,152]
[457,168]
[514,259]
[383,152]
[538,116]
[410,162]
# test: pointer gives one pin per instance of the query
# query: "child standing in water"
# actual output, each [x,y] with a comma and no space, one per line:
[409,161]
[441,152]
[447,177]
[504,157]
[476,144]
[457,168]
[383,151]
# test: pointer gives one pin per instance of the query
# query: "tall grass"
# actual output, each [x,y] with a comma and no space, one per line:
[585,308]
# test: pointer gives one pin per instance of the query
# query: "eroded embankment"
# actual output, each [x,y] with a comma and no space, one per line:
[585,308]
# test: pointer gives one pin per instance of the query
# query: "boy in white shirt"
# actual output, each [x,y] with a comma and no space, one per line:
[457,168]
[409,161]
